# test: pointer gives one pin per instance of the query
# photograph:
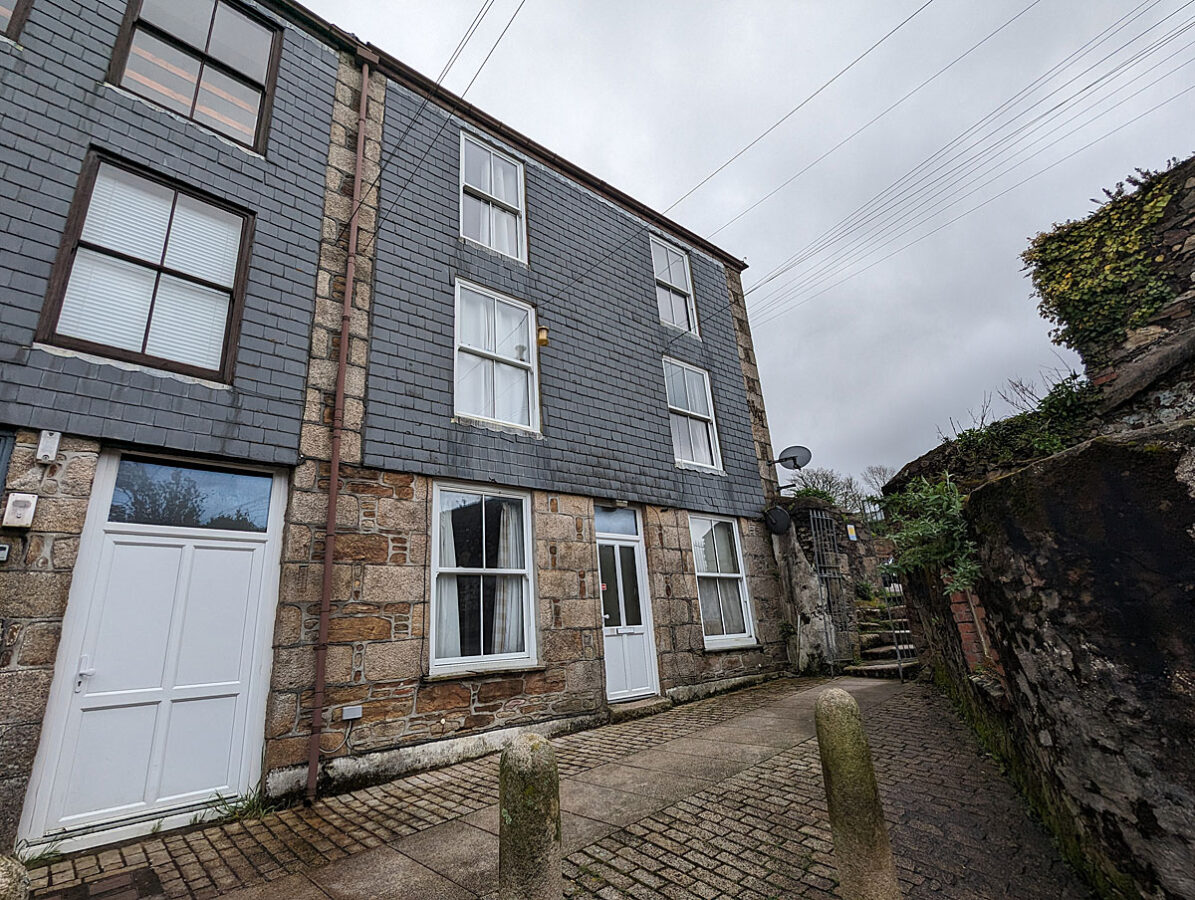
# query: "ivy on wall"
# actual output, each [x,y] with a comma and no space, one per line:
[1099,277]
[929,531]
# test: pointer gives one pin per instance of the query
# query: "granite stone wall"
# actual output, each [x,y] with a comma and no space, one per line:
[34,585]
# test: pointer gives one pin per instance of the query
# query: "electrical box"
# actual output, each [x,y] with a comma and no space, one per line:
[3,553]
[349,713]
[19,511]
[47,446]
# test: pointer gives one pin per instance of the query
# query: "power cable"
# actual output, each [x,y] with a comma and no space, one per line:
[848,221]
[854,134]
[1008,190]
[862,237]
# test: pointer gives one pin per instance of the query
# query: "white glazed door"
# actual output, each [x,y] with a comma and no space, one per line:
[626,616]
[154,702]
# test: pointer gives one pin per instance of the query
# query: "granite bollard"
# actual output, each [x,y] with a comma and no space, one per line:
[861,849]
[529,821]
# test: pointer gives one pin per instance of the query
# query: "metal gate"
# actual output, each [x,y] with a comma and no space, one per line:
[834,587]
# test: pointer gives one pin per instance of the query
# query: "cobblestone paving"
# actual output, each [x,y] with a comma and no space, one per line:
[958,829]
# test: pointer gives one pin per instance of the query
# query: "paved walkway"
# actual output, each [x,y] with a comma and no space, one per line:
[720,798]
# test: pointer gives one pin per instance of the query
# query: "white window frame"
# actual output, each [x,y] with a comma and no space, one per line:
[493,662]
[520,213]
[711,420]
[724,641]
[691,297]
[531,365]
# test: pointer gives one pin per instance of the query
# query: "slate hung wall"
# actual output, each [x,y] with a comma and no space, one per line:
[603,433]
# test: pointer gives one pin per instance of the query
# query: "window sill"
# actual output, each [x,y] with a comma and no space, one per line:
[468,241]
[492,425]
[458,674]
[738,647]
[698,467]
[96,359]
[681,332]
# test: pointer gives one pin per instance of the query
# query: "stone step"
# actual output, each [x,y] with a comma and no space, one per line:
[638,709]
[882,627]
[889,652]
[877,613]
[885,639]
[884,669]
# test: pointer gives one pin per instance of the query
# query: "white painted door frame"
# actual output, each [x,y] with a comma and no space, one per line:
[645,604]
[38,798]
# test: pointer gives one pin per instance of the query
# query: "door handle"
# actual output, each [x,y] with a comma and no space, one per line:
[86,670]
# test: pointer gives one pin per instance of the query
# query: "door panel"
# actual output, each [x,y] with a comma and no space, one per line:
[161,665]
[629,642]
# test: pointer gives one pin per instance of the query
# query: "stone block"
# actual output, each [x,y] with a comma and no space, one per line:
[77,477]
[286,751]
[288,626]
[367,548]
[25,692]
[442,696]
[501,690]
[60,514]
[39,644]
[282,714]
[346,629]
[401,515]
[18,746]
[33,595]
[393,660]
[390,584]
[561,646]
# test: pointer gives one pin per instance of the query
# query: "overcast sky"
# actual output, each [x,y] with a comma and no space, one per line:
[653,95]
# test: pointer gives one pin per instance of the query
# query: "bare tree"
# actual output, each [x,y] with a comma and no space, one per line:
[875,477]
[841,490]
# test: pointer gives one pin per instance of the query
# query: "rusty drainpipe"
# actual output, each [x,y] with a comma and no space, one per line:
[325,606]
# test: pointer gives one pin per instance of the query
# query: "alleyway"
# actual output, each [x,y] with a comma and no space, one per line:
[720,798]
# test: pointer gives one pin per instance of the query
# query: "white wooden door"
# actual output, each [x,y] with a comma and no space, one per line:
[158,696]
[626,606]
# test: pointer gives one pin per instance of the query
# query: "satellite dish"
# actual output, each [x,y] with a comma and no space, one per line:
[794,457]
[777,520]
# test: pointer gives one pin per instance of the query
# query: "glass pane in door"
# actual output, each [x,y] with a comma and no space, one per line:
[608,572]
[630,586]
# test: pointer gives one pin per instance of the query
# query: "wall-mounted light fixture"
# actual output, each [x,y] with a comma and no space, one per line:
[541,335]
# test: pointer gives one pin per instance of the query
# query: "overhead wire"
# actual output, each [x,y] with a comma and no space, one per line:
[916,203]
[1003,193]
[849,221]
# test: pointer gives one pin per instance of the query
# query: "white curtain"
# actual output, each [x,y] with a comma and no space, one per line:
[508,598]
[448,623]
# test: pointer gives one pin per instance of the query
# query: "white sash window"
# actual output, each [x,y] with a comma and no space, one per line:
[492,199]
[721,586]
[691,415]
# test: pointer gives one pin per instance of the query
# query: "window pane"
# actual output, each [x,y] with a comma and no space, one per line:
[188,323]
[695,384]
[732,606]
[475,222]
[682,441]
[160,494]
[204,241]
[128,214]
[506,181]
[476,325]
[611,612]
[468,589]
[681,312]
[477,166]
[674,380]
[503,533]
[659,260]
[502,615]
[711,608]
[448,620]
[615,520]
[241,43]
[228,106]
[511,398]
[460,535]
[512,336]
[678,274]
[630,586]
[705,554]
[107,301]
[160,72]
[474,385]
[703,451]
[728,558]
[187,21]
[506,232]
[667,311]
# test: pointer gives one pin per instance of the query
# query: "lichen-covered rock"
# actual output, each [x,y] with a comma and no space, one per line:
[1089,590]
[529,821]
[14,880]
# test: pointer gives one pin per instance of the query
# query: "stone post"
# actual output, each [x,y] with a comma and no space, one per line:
[529,821]
[14,880]
[861,849]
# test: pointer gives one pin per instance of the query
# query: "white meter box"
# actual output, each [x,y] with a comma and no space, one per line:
[18,513]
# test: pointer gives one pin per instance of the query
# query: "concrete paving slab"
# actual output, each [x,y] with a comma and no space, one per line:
[575,831]
[605,804]
[708,768]
[771,737]
[292,887]
[748,754]
[637,780]
[458,851]
[380,874]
